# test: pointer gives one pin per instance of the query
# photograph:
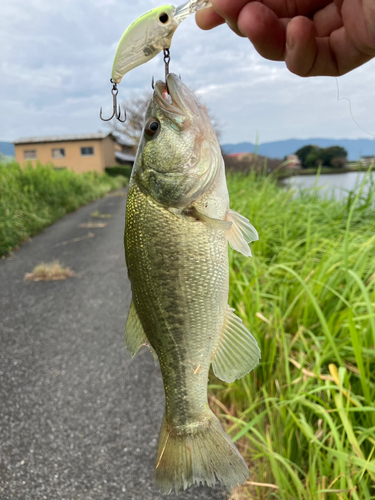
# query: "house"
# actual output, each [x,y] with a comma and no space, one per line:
[292,161]
[81,153]
[366,161]
[242,156]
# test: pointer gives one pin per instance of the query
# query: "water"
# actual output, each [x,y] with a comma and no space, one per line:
[331,185]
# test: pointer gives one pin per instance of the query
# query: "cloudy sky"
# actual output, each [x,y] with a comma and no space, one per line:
[56,59]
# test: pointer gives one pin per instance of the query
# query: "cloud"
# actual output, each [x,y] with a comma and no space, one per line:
[57,57]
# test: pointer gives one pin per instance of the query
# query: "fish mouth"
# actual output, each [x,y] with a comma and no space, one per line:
[173,97]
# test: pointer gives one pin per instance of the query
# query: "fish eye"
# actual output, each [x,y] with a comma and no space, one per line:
[152,127]
[163,18]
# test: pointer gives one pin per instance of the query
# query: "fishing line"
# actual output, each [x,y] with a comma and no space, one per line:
[350,109]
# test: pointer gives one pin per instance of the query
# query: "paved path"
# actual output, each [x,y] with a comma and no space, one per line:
[78,419]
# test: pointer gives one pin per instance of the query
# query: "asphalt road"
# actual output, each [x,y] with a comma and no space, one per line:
[78,419]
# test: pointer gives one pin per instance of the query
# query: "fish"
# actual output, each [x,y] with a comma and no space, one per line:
[148,35]
[177,228]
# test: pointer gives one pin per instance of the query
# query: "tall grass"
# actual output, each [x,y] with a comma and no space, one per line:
[305,417]
[33,198]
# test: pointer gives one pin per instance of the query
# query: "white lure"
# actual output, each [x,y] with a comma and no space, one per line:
[149,35]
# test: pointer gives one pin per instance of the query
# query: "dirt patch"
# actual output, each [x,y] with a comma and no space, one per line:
[49,272]
[97,215]
[93,225]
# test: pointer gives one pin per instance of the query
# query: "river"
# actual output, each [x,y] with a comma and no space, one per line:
[331,185]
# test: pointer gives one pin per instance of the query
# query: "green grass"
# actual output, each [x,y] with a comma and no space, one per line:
[305,417]
[33,198]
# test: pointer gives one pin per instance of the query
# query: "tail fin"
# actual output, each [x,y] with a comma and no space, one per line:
[202,453]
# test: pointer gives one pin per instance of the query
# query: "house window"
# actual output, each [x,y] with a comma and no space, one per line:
[29,154]
[58,153]
[88,151]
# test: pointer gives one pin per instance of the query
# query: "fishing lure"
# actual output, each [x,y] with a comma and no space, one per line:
[145,38]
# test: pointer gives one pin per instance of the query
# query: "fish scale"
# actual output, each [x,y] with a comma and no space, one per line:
[180,297]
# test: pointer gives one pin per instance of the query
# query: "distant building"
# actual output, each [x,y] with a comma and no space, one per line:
[292,161]
[368,160]
[81,153]
[242,156]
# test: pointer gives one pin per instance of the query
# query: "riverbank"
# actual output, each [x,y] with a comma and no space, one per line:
[304,419]
[325,170]
[33,198]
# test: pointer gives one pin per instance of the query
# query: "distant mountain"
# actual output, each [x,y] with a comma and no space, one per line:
[7,148]
[355,147]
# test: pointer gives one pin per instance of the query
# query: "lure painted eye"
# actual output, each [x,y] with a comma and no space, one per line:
[152,127]
[164,18]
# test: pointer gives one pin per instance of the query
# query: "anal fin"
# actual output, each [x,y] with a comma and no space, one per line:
[135,336]
[238,351]
[240,233]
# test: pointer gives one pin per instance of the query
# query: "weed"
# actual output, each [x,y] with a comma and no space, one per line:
[307,411]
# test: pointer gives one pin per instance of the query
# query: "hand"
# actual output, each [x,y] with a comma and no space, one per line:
[313,37]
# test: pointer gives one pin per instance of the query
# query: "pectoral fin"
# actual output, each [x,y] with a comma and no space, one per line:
[241,233]
[225,225]
[135,336]
[237,352]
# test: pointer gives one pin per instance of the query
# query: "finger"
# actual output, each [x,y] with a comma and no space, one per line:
[338,4]
[232,12]
[293,8]
[264,30]
[207,19]
[230,9]
[307,55]
[327,20]
[301,46]
[234,27]
[347,56]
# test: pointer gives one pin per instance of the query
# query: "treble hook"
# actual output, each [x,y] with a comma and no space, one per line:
[116,113]
[167,58]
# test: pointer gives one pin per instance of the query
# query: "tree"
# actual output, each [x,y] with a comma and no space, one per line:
[313,159]
[338,162]
[5,159]
[304,152]
[332,153]
[313,156]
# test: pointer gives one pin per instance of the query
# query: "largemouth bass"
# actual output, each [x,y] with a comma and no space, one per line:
[178,225]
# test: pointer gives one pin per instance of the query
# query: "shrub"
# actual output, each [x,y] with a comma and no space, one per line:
[32,198]
[124,170]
